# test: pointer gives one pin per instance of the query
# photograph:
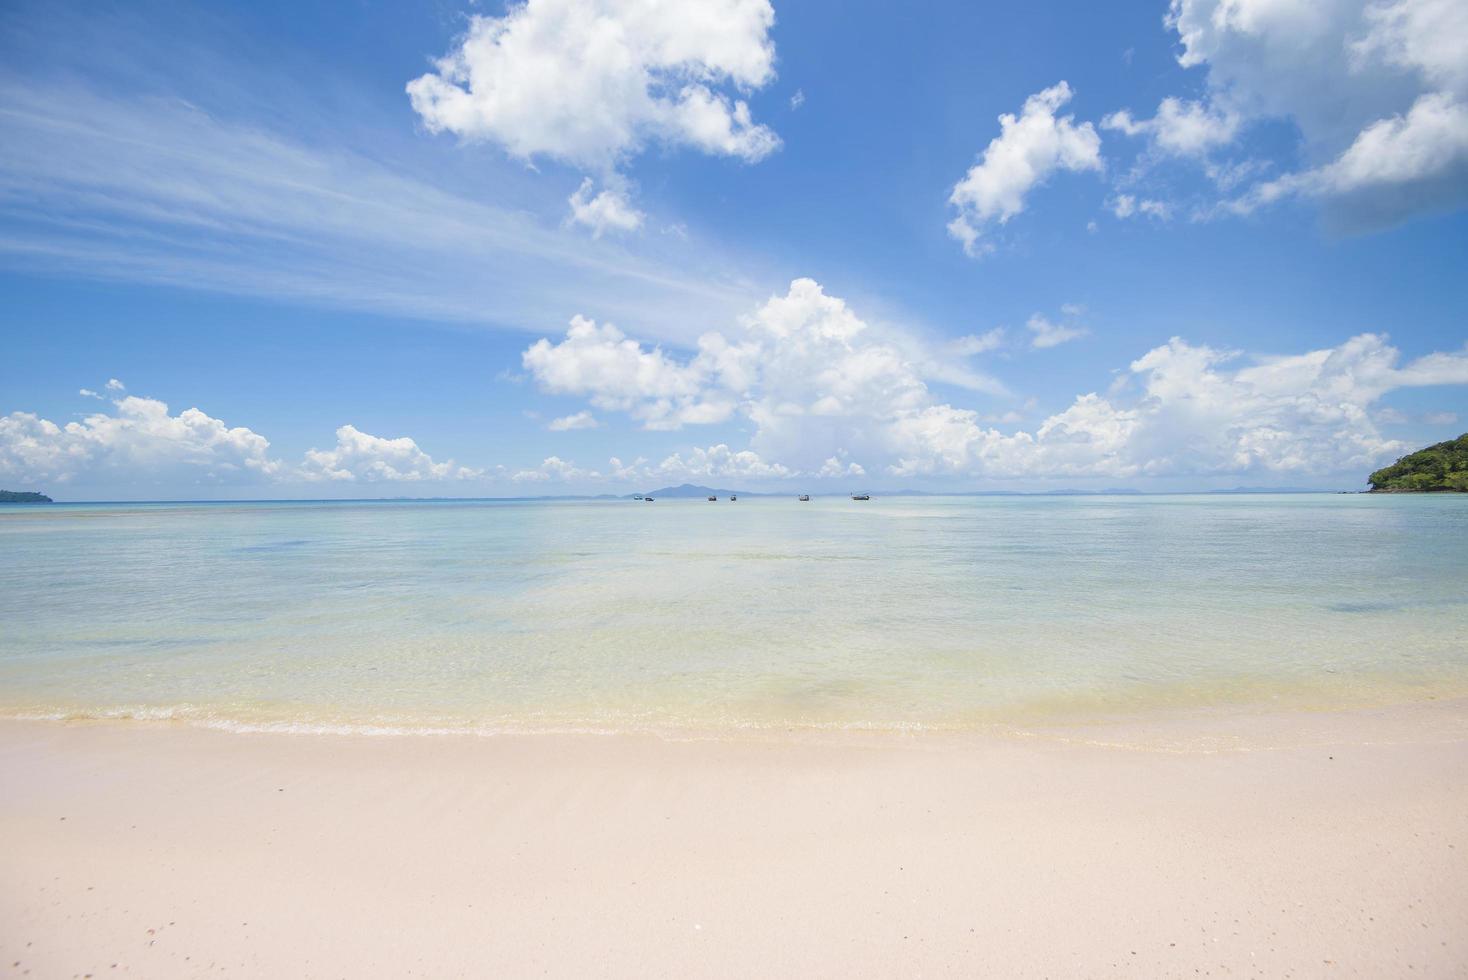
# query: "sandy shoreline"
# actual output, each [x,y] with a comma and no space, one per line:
[1300,845]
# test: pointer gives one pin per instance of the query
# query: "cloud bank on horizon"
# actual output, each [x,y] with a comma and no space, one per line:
[827,397]
[815,384]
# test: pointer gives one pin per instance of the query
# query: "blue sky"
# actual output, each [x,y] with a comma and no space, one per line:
[337,250]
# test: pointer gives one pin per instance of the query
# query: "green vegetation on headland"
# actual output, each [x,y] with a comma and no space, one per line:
[1440,467]
[23,497]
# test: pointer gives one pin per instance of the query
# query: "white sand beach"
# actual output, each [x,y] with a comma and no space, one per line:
[1241,845]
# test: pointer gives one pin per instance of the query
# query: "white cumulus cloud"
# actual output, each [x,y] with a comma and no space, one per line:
[1394,167]
[621,471]
[1377,90]
[720,461]
[980,343]
[1130,206]
[1307,414]
[142,444]
[141,440]
[576,420]
[557,469]
[835,466]
[359,456]
[1180,127]
[819,384]
[1029,148]
[805,369]
[608,210]
[619,374]
[1047,333]
[591,82]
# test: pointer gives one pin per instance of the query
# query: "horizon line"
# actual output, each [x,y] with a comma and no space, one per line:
[1120,492]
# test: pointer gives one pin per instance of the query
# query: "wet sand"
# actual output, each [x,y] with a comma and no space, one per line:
[1245,845]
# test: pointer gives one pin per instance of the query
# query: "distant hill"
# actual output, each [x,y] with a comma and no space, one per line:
[1440,467]
[24,497]
[689,490]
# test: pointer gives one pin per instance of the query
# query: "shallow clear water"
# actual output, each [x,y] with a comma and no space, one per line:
[896,612]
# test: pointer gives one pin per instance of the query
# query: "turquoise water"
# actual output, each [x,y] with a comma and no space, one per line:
[891,613]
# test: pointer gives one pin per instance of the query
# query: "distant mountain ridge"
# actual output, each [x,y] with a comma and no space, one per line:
[689,491]
[1271,490]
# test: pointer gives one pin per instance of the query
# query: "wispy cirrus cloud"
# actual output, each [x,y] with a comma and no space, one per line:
[151,188]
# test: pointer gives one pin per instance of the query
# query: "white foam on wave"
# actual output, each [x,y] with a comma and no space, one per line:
[673,728]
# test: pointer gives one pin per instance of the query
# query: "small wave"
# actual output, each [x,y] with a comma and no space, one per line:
[676,728]
[273,546]
[1365,607]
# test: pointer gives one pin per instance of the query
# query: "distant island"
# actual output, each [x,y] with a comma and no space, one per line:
[24,497]
[1439,468]
[689,490]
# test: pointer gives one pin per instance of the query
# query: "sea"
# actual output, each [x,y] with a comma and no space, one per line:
[766,613]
